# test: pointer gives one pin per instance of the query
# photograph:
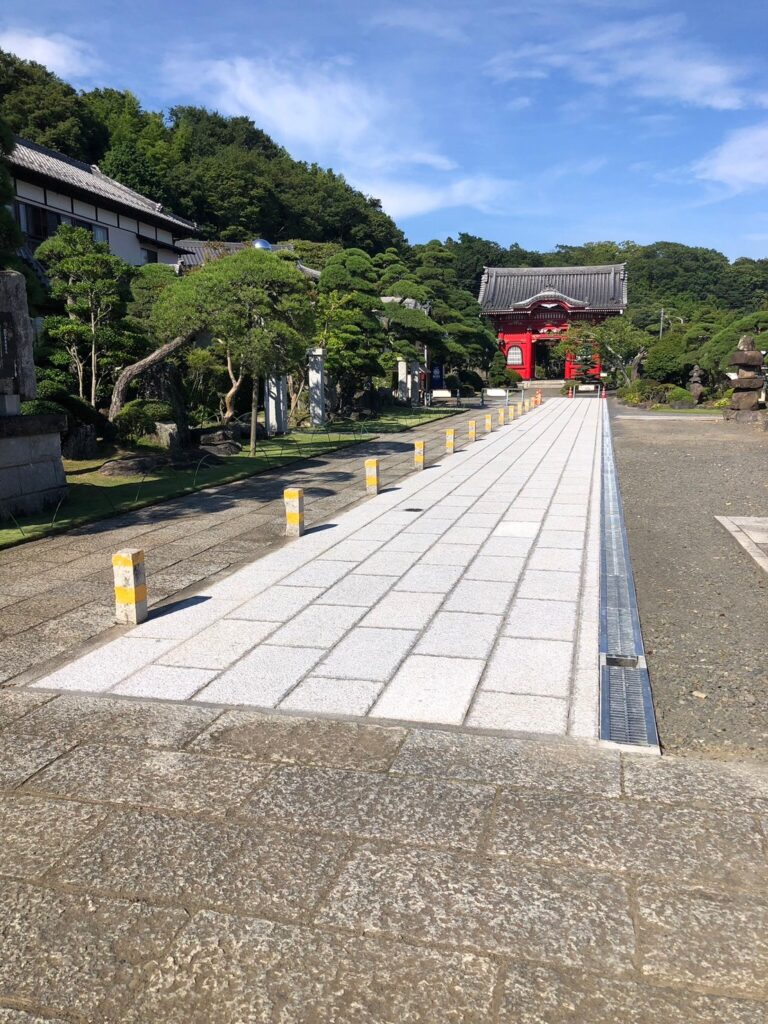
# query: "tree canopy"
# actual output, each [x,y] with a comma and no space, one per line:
[225,173]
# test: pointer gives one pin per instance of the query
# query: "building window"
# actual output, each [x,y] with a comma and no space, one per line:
[37,223]
[514,356]
[149,256]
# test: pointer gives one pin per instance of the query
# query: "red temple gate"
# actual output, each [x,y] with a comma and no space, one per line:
[532,307]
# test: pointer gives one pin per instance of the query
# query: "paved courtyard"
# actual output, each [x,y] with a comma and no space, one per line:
[468,595]
[185,861]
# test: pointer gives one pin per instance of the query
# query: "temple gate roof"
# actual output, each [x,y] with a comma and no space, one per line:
[509,289]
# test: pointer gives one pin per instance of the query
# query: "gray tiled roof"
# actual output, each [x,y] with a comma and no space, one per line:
[87,178]
[200,251]
[506,289]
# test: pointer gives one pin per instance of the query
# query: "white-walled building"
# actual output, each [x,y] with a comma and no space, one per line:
[51,189]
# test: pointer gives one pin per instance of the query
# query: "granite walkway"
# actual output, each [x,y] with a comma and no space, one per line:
[174,863]
[56,593]
[467,596]
[188,862]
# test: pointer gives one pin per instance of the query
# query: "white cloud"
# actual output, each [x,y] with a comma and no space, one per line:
[323,112]
[319,111]
[64,55]
[653,58]
[519,103]
[740,162]
[408,199]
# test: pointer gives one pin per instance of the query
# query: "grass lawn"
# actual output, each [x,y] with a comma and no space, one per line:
[401,418]
[696,411]
[93,496]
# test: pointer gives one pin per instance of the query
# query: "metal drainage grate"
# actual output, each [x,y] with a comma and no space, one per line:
[625,714]
[626,708]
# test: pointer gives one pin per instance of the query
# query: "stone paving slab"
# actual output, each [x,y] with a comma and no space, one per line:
[444,601]
[166,862]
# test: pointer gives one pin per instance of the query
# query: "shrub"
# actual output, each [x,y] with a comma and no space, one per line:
[452,382]
[679,398]
[724,401]
[513,378]
[42,407]
[161,412]
[472,378]
[643,391]
[51,390]
[133,422]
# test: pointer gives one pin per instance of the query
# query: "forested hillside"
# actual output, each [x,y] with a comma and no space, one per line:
[687,304]
[222,172]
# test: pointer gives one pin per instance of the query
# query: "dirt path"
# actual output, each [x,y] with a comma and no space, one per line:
[703,601]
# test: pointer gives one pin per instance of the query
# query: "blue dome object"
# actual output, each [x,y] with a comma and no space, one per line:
[261,243]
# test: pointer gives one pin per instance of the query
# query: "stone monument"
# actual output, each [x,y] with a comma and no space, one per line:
[31,471]
[748,385]
[695,384]
[317,415]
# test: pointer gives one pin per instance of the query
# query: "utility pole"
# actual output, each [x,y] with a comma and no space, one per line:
[661,323]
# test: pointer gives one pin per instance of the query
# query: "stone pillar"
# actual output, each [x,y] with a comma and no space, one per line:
[403,389]
[276,405]
[281,411]
[317,387]
[414,383]
[269,406]
[31,471]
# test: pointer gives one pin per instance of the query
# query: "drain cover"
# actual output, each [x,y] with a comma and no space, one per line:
[626,708]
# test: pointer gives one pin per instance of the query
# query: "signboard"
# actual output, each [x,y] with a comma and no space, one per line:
[438,376]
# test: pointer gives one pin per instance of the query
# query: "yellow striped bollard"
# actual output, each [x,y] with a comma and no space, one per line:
[371,476]
[472,430]
[488,423]
[450,441]
[510,414]
[419,454]
[294,511]
[130,586]
[501,416]
[520,409]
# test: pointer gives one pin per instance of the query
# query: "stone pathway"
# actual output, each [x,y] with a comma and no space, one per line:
[185,862]
[191,865]
[467,596]
[56,593]
[752,533]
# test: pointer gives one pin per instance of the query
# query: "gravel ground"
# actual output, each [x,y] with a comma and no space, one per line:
[703,601]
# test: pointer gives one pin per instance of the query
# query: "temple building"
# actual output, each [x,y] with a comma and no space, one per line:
[531,308]
[53,189]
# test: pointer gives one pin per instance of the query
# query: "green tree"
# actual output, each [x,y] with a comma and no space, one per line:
[92,284]
[620,347]
[255,302]
[40,107]
[359,340]
[497,372]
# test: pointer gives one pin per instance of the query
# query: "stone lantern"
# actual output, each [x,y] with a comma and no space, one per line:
[747,387]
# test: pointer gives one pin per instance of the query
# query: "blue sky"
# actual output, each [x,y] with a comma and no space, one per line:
[538,121]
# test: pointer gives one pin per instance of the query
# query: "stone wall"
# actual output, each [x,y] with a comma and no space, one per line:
[31,472]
